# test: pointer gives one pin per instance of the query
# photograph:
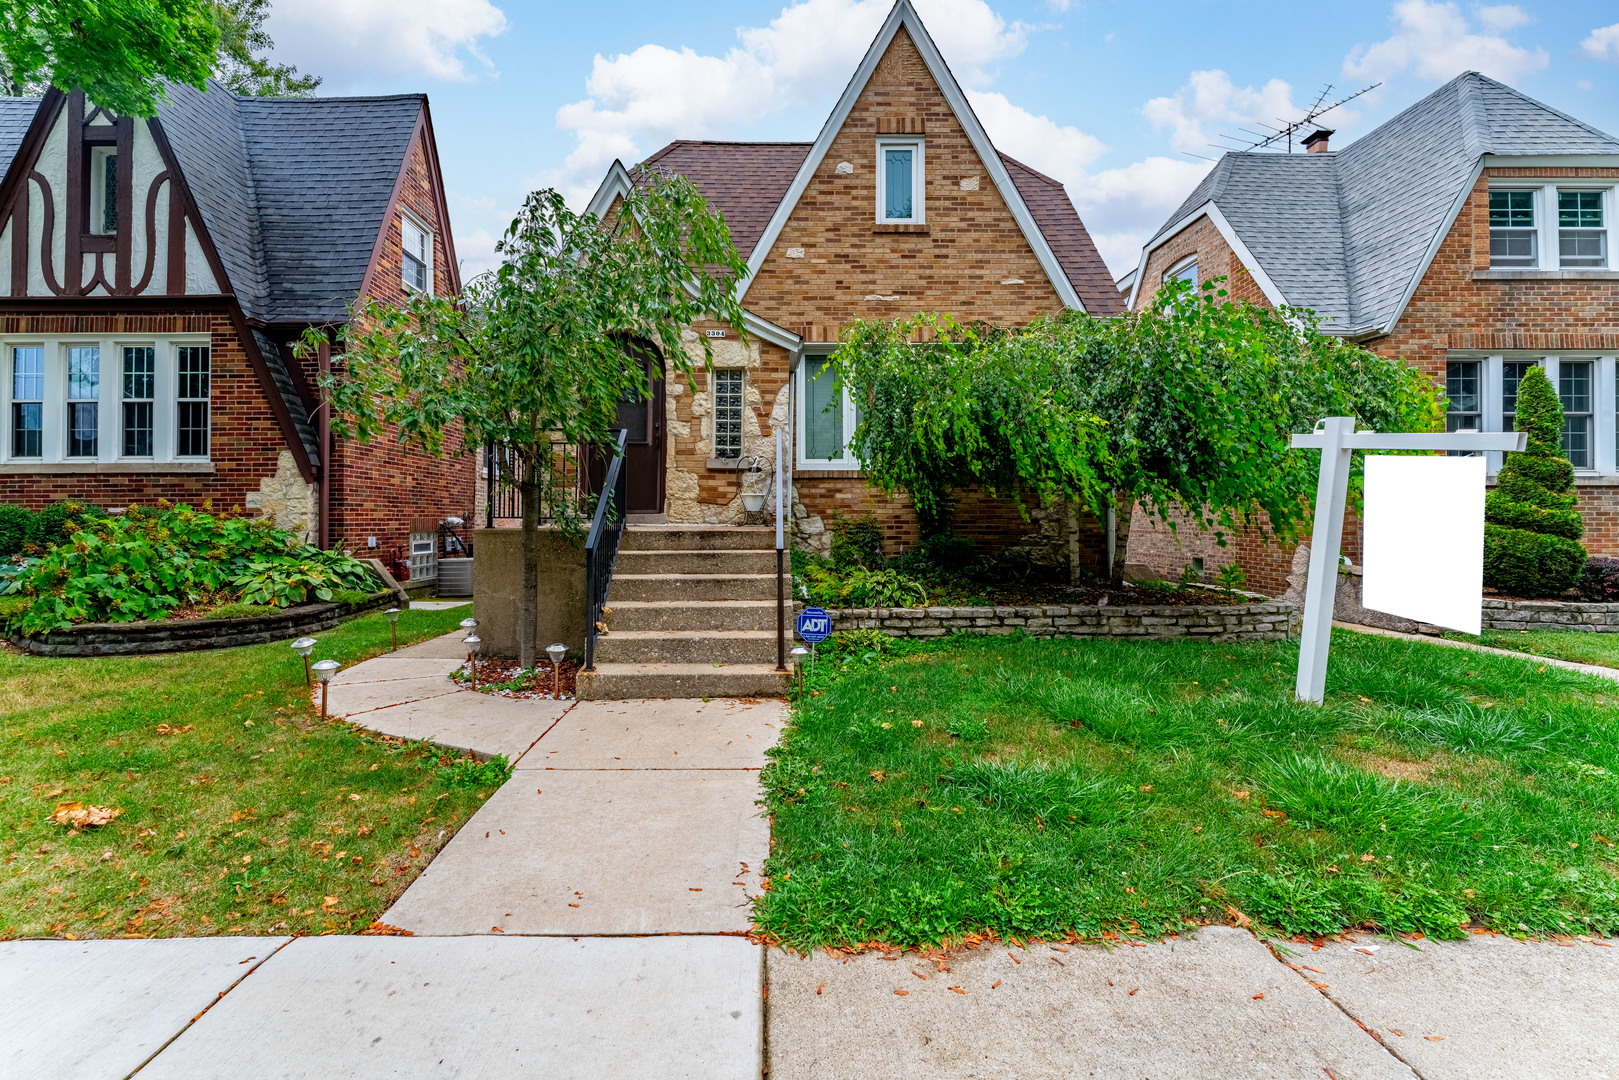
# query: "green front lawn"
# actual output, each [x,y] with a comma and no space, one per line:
[242,812]
[1580,646]
[1039,788]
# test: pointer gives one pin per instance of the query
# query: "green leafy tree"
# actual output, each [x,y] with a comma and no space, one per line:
[541,349]
[1531,529]
[1188,406]
[243,62]
[119,52]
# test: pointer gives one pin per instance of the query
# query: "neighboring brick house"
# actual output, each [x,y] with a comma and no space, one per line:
[154,275]
[901,205]
[1469,235]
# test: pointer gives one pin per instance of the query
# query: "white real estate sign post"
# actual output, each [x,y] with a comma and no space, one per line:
[1337,439]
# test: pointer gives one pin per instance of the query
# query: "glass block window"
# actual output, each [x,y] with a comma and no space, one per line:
[140,384]
[1512,372]
[1513,239]
[423,556]
[83,404]
[28,402]
[728,413]
[1582,239]
[1463,410]
[191,416]
[1574,388]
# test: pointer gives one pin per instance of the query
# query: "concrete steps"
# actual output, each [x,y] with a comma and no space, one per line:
[691,613]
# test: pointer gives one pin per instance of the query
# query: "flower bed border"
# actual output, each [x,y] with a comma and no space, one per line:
[1263,620]
[189,635]
[1576,615]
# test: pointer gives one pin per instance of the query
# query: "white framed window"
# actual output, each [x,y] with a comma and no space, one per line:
[156,393]
[827,417]
[103,162]
[1586,385]
[901,174]
[416,246]
[1548,226]
[727,383]
[1185,270]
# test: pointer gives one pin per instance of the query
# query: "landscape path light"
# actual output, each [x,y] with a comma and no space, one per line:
[393,625]
[556,652]
[469,624]
[303,647]
[324,670]
[798,652]
[473,643]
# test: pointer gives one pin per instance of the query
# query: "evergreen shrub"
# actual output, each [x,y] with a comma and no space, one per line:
[1531,529]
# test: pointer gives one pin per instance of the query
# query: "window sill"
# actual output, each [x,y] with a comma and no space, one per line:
[1546,275]
[108,468]
[728,464]
[820,472]
[882,227]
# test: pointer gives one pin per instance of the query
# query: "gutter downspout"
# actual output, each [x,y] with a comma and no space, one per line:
[1112,535]
[324,538]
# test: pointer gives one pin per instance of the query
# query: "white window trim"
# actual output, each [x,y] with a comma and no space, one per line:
[845,463]
[919,202]
[427,233]
[1604,407]
[1174,272]
[110,413]
[1548,253]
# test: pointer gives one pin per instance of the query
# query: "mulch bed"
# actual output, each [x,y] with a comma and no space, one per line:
[505,678]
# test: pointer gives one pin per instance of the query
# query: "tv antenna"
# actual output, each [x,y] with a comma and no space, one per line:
[1270,136]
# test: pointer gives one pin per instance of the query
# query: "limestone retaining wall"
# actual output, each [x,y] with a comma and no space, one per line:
[1550,615]
[1260,621]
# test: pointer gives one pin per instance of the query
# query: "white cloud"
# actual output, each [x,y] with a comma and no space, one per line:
[1052,148]
[1209,105]
[640,99]
[347,41]
[1436,42]
[1123,207]
[1603,44]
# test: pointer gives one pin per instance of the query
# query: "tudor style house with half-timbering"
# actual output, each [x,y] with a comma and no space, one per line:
[154,275]
[1469,235]
[902,204]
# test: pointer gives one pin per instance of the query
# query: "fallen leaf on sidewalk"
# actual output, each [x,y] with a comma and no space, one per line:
[1398,1032]
[1441,1038]
[918,974]
[1242,920]
[957,989]
[1133,992]
[1015,960]
[902,993]
[1259,997]
[996,985]
[496,930]
[818,989]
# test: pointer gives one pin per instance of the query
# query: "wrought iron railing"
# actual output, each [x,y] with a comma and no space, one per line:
[601,546]
[502,470]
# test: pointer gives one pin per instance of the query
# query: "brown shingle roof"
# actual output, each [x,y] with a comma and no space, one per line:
[746,181]
[1059,223]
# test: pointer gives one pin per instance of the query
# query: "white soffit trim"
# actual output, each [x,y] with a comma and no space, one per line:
[615,184]
[905,15]
[1551,161]
[1229,235]
[1433,244]
[769,331]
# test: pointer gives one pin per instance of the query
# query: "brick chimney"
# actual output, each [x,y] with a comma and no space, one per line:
[1317,142]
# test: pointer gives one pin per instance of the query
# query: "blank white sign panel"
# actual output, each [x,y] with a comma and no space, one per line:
[1424,539]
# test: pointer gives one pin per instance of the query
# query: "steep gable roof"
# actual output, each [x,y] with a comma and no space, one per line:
[15,116]
[743,181]
[1059,223]
[1351,233]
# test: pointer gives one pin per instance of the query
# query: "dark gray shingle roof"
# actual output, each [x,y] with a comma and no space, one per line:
[16,113]
[1346,233]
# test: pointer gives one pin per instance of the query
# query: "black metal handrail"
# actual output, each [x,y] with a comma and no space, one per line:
[502,471]
[601,546]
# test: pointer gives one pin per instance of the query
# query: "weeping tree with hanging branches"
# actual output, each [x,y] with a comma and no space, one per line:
[541,349]
[1188,406]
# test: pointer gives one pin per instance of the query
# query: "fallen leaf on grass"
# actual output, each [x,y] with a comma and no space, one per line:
[1241,796]
[164,729]
[1242,920]
[80,816]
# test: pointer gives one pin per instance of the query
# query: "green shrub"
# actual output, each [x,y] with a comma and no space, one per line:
[857,542]
[15,522]
[147,562]
[52,525]
[1531,529]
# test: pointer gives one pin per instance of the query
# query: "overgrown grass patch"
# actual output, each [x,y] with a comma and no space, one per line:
[241,810]
[1040,788]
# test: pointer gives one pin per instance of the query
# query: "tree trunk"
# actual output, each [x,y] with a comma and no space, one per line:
[528,608]
[1124,504]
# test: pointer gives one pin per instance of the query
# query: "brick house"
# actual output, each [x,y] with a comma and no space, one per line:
[154,275]
[902,204]
[1468,235]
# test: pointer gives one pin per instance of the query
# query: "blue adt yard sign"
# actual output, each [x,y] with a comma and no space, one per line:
[814,625]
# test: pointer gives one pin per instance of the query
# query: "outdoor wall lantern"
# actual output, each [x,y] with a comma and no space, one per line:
[324,670]
[798,652]
[393,625]
[303,647]
[556,652]
[473,643]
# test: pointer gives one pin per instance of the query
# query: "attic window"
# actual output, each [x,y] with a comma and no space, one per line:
[103,163]
[416,265]
[1581,238]
[1513,240]
[900,176]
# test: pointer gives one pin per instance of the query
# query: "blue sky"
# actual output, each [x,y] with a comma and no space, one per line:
[1111,98]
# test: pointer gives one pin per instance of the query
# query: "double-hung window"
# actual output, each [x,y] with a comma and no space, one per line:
[1574,390]
[1513,239]
[728,413]
[1462,404]
[83,401]
[191,415]
[140,388]
[1582,239]
[27,402]
[900,187]
[1512,373]
[416,262]
[827,416]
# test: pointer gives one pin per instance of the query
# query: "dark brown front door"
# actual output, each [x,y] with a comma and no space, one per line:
[641,419]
